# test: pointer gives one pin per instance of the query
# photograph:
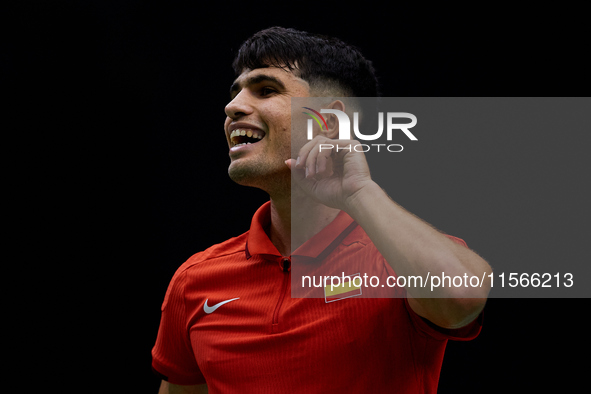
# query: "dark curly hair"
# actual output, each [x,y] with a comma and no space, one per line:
[321,61]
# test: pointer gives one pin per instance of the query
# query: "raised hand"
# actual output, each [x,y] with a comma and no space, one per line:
[331,171]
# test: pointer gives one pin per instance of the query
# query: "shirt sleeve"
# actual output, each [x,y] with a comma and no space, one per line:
[465,333]
[172,356]
[457,240]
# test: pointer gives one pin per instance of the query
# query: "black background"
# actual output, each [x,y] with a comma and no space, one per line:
[118,169]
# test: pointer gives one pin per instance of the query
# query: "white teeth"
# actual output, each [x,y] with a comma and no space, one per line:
[245,132]
[248,133]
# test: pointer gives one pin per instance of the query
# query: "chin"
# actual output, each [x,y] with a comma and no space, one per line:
[256,176]
[244,175]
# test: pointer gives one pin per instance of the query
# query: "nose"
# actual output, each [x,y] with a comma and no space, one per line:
[239,106]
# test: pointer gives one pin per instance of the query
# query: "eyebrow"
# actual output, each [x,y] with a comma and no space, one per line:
[236,86]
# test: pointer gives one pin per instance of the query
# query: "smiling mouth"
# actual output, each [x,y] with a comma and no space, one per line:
[240,137]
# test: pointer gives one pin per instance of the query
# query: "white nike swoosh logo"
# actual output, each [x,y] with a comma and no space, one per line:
[210,309]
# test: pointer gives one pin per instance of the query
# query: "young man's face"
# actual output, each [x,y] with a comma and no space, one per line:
[260,108]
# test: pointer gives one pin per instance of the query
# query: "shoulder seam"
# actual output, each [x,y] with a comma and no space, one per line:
[192,264]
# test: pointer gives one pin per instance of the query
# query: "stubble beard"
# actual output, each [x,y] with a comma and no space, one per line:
[262,175]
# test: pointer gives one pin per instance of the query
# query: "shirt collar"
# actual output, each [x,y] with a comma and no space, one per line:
[258,241]
[321,244]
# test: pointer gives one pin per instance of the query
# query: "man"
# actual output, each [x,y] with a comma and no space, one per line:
[229,322]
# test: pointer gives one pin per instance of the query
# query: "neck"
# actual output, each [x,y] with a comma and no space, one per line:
[294,224]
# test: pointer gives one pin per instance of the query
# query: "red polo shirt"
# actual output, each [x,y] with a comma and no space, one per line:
[229,319]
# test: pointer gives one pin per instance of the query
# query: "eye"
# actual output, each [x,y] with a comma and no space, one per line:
[267,90]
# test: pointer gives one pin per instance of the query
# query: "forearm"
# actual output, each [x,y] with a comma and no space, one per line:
[414,248]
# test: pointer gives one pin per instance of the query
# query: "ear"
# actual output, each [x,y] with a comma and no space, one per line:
[331,120]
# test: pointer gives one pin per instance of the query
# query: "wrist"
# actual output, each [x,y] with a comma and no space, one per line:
[356,204]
